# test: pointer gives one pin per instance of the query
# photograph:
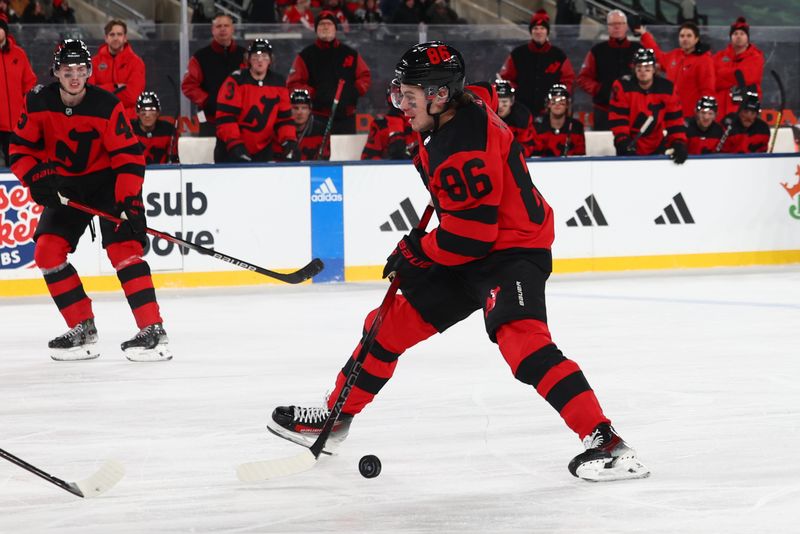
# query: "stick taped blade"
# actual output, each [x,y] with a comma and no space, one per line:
[103,480]
[269,469]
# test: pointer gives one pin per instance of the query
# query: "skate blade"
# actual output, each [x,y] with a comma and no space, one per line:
[611,469]
[74,354]
[295,438]
[159,353]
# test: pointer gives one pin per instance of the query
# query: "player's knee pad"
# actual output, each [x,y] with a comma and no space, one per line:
[402,328]
[50,252]
[124,253]
[528,349]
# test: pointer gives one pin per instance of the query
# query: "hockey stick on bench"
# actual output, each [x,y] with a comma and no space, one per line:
[781,105]
[101,481]
[295,277]
[269,469]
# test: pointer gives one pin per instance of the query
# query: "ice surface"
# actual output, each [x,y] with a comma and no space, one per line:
[699,371]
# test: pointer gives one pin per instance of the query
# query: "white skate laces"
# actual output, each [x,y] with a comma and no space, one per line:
[310,415]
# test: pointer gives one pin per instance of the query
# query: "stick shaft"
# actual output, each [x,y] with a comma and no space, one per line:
[329,126]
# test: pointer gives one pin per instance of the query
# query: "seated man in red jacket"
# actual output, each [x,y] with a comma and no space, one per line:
[746,132]
[117,69]
[703,131]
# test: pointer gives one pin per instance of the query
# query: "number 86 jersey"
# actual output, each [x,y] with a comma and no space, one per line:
[481,188]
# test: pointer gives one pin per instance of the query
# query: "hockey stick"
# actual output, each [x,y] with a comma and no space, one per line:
[328,126]
[172,151]
[294,277]
[780,110]
[647,122]
[101,481]
[269,469]
[725,134]
[565,150]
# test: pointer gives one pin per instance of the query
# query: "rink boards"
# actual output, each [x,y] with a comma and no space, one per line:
[610,214]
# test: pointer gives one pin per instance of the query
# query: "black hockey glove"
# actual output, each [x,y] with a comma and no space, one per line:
[133,208]
[407,259]
[291,152]
[44,184]
[679,153]
[625,146]
[239,153]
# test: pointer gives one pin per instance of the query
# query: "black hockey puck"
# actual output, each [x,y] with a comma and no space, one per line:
[369,466]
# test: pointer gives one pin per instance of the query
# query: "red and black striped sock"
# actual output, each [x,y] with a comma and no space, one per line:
[62,280]
[137,284]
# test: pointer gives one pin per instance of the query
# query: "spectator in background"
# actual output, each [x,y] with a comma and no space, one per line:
[558,134]
[606,62]
[516,115]
[253,112]
[16,79]
[703,131]
[569,12]
[261,12]
[117,69]
[309,129]
[158,137]
[207,69]
[689,67]
[8,13]
[390,135]
[747,133]
[534,67]
[740,56]
[300,13]
[369,13]
[440,12]
[636,98]
[343,15]
[34,13]
[62,13]
[319,67]
[407,13]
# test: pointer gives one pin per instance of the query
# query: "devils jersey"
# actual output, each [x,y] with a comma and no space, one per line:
[88,140]
[388,137]
[481,188]
[743,140]
[160,144]
[309,140]
[520,121]
[254,112]
[550,143]
[631,105]
[703,141]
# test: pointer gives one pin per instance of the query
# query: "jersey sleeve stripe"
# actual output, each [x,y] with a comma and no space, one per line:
[227,108]
[130,168]
[133,150]
[482,214]
[464,246]
[21,141]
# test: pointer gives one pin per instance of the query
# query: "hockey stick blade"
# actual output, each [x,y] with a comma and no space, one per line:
[280,467]
[103,480]
[311,270]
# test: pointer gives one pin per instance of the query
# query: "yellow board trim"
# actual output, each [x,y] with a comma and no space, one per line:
[30,287]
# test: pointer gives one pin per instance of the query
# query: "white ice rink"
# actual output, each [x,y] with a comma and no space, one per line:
[699,371]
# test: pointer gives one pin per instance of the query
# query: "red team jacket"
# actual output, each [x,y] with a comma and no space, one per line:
[746,141]
[254,113]
[550,142]
[631,105]
[388,137]
[726,63]
[93,138]
[160,145]
[126,68]
[533,69]
[703,142]
[18,77]
[481,188]
[692,74]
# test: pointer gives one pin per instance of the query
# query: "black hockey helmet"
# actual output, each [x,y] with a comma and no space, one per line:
[644,56]
[504,89]
[706,102]
[300,96]
[148,100]
[259,46]
[750,101]
[558,91]
[432,66]
[71,52]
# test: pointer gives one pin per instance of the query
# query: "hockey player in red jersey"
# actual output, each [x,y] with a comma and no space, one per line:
[516,116]
[703,131]
[253,111]
[747,133]
[309,129]
[490,252]
[646,99]
[557,133]
[158,137]
[74,139]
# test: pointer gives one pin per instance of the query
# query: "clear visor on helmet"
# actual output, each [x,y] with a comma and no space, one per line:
[396,94]
[74,70]
[558,99]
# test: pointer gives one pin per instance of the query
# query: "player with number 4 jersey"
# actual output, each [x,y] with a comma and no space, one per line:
[490,252]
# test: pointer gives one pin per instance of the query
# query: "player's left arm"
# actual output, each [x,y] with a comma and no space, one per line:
[126,154]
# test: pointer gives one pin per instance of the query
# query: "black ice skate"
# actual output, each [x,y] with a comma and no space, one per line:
[303,426]
[607,457]
[149,345]
[76,344]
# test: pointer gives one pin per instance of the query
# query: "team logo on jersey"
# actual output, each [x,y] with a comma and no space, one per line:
[102,66]
[326,192]
[68,112]
[491,301]
[794,191]
[677,212]
[19,217]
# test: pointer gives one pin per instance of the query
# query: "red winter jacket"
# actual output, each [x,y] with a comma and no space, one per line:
[16,79]
[692,74]
[122,74]
[726,63]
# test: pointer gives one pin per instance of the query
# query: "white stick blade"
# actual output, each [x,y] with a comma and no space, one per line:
[282,467]
[103,480]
